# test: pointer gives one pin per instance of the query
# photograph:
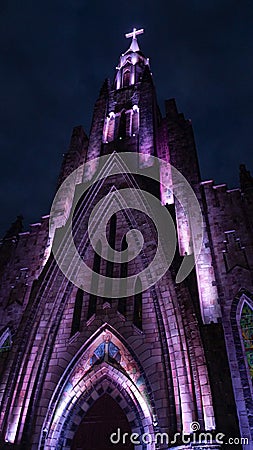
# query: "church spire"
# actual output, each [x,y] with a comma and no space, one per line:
[134,47]
[132,63]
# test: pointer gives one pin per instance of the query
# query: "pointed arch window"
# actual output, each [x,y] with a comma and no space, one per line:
[92,307]
[126,78]
[138,305]
[76,321]
[123,274]
[122,125]
[128,123]
[246,323]
[5,341]
[117,122]
[110,264]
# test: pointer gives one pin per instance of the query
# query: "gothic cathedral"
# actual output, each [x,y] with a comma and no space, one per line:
[127,312]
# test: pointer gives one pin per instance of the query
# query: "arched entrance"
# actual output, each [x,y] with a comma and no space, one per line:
[103,377]
[241,326]
[103,418]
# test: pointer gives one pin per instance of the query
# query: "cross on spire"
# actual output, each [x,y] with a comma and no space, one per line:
[134,33]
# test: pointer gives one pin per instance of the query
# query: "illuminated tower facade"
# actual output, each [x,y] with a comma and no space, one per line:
[80,368]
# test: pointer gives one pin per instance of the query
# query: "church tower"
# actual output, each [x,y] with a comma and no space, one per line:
[116,309]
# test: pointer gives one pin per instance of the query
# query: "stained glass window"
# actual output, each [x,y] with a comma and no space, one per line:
[104,351]
[5,341]
[246,323]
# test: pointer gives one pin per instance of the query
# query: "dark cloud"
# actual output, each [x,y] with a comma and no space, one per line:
[55,56]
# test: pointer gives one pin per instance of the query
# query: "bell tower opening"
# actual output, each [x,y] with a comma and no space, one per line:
[126,78]
[103,418]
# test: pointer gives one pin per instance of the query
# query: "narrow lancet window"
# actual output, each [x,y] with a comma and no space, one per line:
[122,125]
[126,78]
[110,264]
[123,274]
[129,123]
[246,323]
[92,307]
[138,305]
[76,321]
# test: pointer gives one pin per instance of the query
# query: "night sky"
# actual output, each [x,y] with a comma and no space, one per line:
[56,54]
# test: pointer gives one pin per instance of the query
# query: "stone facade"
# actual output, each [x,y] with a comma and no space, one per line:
[171,356]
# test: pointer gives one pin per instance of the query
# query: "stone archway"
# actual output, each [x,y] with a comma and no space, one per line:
[104,379]
[104,367]
[103,427]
